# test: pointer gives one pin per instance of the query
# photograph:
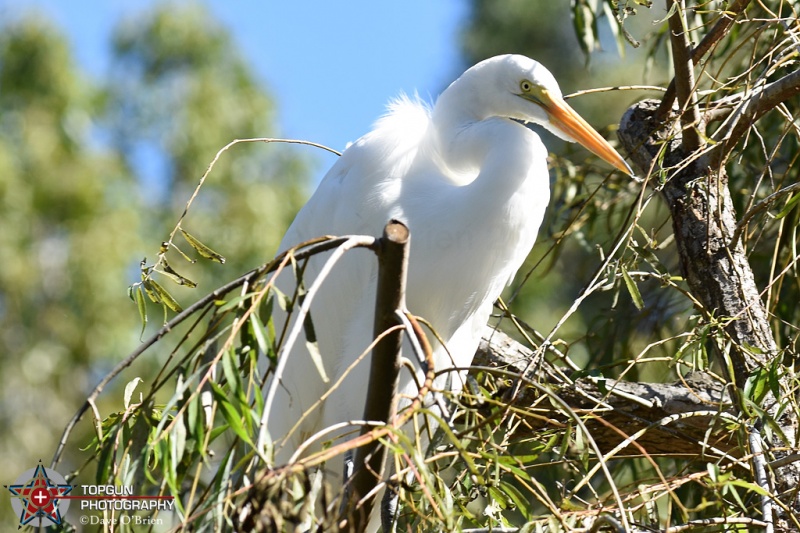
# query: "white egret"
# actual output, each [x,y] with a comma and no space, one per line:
[471,183]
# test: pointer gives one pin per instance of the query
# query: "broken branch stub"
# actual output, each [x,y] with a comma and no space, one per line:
[392,250]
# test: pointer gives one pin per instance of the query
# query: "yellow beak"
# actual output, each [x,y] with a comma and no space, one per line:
[570,122]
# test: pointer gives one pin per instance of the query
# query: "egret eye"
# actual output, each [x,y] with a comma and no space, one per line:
[525,86]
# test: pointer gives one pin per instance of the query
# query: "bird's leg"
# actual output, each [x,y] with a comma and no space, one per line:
[389,507]
[348,466]
[347,473]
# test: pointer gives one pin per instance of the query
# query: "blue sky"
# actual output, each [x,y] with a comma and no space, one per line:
[331,66]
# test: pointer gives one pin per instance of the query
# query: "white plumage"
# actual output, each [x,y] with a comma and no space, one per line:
[471,185]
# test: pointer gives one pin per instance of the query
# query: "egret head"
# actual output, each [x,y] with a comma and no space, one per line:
[520,88]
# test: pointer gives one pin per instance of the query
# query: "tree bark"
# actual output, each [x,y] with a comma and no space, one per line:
[714,264]
[704,222]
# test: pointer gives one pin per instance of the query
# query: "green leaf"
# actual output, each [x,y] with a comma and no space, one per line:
[757,385]
[129,388]
[636,296]
[164,297]
[216,432]
[104,460]
[499,497]
[749,486]
[790,204]
[258,333]
[169,468]
[313,348]
[583,22]
[236,301]
[147,283]
[194,420]
[231,415]
[519,500]
[138,298]
[284,302]
[201,248]
[174,276]
[232,375]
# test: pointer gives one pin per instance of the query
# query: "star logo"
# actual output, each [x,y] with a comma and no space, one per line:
[37,493]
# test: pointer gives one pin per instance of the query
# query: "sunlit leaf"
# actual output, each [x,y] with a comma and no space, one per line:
[313,348]
[583,21]
[221,482]
[138,297]
[170,272]
[231,415]
[129,388]
[178,441]
[201,248]
[790,204]
[165,297]
[615,25]
[633,289]
[316,357]
[757,385]
[151,291]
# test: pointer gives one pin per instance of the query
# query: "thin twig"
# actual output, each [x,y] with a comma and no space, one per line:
[763,205]
[615,88]
[710,39]
[308,248]
[556,399]
[760,475]
[168,243]
[728,520]
[351,243]
[657,424]
[761,100]
[384,373]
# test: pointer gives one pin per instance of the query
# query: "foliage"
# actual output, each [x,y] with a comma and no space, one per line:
[621,309]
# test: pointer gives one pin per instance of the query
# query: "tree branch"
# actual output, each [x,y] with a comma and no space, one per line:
[301,251]
[710,39]
[684,76]
[392,250]
[714,263]
[704,222]
[752,108]
[699,408]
